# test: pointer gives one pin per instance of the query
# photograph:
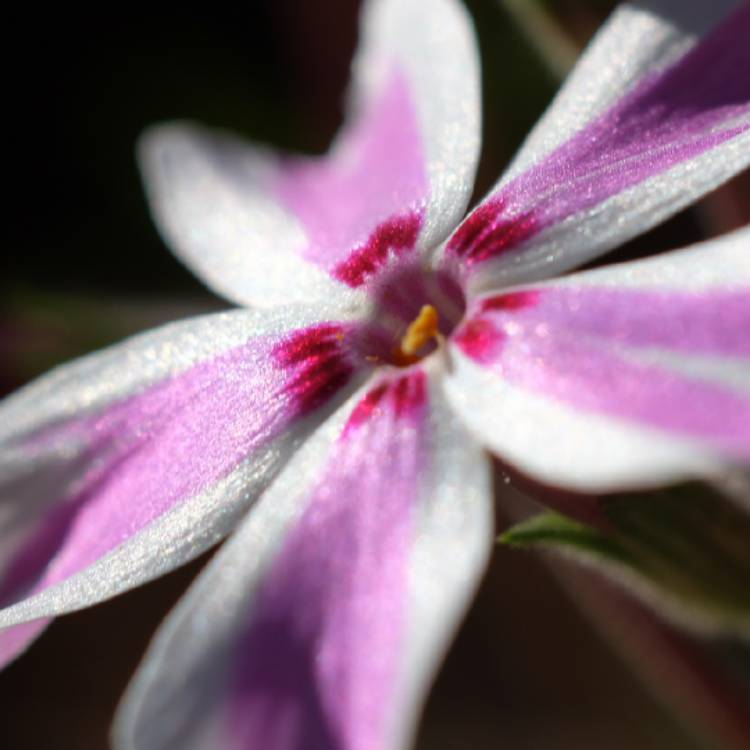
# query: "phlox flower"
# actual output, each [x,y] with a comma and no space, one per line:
[337,425]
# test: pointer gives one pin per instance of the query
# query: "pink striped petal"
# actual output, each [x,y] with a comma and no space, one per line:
[325,615]
[267,229]
[366,200]
[124,465]
[698,322]
[674,133]
[624,375]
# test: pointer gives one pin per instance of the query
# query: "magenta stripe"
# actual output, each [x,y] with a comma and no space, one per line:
[158,448]
[315,364]
[366,199]
[491,230]
[715,322]
[595,377]
[668,118]
[318,662]
[395,237]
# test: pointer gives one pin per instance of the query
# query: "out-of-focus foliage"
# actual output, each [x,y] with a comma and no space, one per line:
[684,550]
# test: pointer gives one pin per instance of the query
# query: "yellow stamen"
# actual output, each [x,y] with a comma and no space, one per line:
[421,330]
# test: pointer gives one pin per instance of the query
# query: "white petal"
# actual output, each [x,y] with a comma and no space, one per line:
[632,139]
[626,376]
[212,200]
[721,263]
[125,464]
[434,40]
[266,229]
[379,565]
[638,38]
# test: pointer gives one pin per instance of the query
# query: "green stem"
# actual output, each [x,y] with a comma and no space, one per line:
[555,46]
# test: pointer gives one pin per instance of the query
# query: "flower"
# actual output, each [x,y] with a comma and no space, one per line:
[347,408]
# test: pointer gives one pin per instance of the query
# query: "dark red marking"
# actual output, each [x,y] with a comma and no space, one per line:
[511,301]
[318,363]
[486,234]
[399,397]
[397,235]
[365,408]
[479,339]
[409,393]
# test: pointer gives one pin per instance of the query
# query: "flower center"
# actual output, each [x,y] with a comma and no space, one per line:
[420,332]
[414,309]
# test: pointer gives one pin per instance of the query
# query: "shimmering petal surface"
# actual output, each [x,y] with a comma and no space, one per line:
[126,464]
[674,133]
[266,229]
[638,38]
[320,623]
[633,374]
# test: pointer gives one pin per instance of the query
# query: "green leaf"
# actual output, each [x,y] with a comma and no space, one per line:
[685,551]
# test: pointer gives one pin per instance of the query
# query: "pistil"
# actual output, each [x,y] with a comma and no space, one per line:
[420,332]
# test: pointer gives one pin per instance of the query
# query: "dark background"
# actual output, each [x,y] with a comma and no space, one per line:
[83,266]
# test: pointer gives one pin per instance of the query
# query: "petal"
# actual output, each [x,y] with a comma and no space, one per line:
[650,121]
[627,376]
[321,622]
[266,229]
[127,463]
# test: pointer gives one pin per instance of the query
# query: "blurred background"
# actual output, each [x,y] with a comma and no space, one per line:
[83,266]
